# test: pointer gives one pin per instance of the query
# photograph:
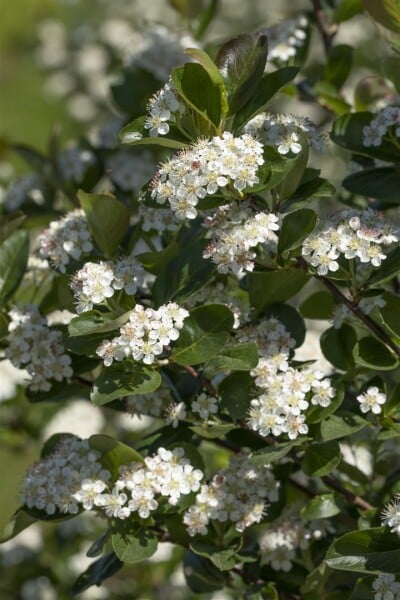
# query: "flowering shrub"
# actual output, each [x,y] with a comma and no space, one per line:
[179,283]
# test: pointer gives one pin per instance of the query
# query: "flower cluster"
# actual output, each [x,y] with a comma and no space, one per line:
[65,240]
[52,483]
[163,108]
[72,477]
[237,494]
[283,132]
[73,163]
[286,38]
[236,232]
[37,348]
[391,515]
[372,400]
[145,335]
[386,587]
[168,474]
[221,164]
[350,234]
[97,281]
[286,392]
[383,121]
[278,544]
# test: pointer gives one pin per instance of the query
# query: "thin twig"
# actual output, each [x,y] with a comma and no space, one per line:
[356,500]
[326,34]
[204,382]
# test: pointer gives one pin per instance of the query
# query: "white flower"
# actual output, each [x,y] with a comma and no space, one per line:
[88,492]
[175,412]
[386,587]
[371,400]
[391,515]
[205,405]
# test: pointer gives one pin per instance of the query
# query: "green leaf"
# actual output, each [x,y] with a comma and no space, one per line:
[203,335]
[382,183]
[96,549]
[18,522]
[113,453]
[13,262]
[269,85]
[321,507]
[210,432]
[124,379]
[92,322]
[343,424]
[365,551]
[347,9]
[321,458]
[236,391]
[314,188]
[242,357]
[295,228]
[224,560]
[242,63]
[337,346]
[59,391]
[363,589]
[271,287]
[388,269]
[270,454]
[131,89]
[385,12]
[370,352]
[108,220]
[131,543]
[200,574]
[196,88]
[392,406]
[135,134]
[318,306]
[293,179]
[3,326]
[347,131]
[338,65]
[215,75]
[99,571]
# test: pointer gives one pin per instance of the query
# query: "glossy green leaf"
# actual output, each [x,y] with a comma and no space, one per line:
[342,424]
[295,228]
[242,357]
[314,188]
[134,134]
[269,85]
[318,306]
[200,573]
[337,346]
[321,458]
[132,543]
[373,550]
[347,9]
[385,12]
[382,183]
[271,287]
[95,322]
[215,75]
[338,65]
[13,262]
[9,223]
[242,63]
[271,454]
[113,453]
[124,379]
[236,391]
[292,181]
[18,522]
[223,559]
[390,313]
[370,352]
[196,88]
[131,88]
[321,507]
[203,335]
[100,570]
[108,220]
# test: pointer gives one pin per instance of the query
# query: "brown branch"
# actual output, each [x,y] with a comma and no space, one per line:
[327,34]
[356,500]
[354,308]
[204,382]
